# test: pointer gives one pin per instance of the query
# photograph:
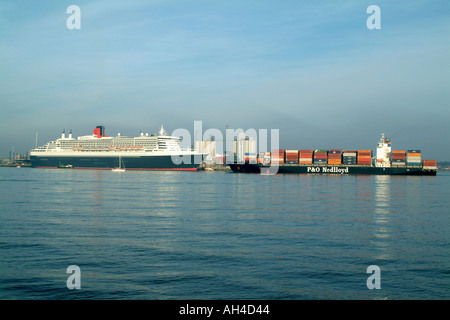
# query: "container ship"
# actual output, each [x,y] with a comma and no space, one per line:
[159,151]
[338,161]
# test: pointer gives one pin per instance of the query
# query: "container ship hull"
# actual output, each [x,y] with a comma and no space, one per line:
[338,161]
[145,162]
[331,169]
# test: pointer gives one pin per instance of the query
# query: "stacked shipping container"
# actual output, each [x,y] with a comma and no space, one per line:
[320,156]
[430,164]
[305,156]
[335,156]
[413,158]
[349,157]
[291,156]
[398,157]
[364,157]
[264,158]
[277,156]
[339,157]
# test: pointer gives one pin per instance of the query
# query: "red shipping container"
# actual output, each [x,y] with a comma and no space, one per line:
[430,162]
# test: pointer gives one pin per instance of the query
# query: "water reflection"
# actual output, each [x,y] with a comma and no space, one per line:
[97,189]
[382,210]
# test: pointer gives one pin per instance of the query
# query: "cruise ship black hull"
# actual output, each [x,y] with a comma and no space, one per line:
[331,169]
[154,162]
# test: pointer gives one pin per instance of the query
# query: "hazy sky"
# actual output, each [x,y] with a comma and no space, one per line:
[309,68]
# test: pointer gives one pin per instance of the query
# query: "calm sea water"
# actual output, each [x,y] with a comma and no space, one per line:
[220,235]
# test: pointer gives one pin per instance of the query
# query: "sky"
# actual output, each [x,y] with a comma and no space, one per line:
[312,69]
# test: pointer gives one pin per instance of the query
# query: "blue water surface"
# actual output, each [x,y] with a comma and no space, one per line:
[221,235]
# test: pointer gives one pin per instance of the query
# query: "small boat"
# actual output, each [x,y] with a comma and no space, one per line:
[121,167]
[65,166]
